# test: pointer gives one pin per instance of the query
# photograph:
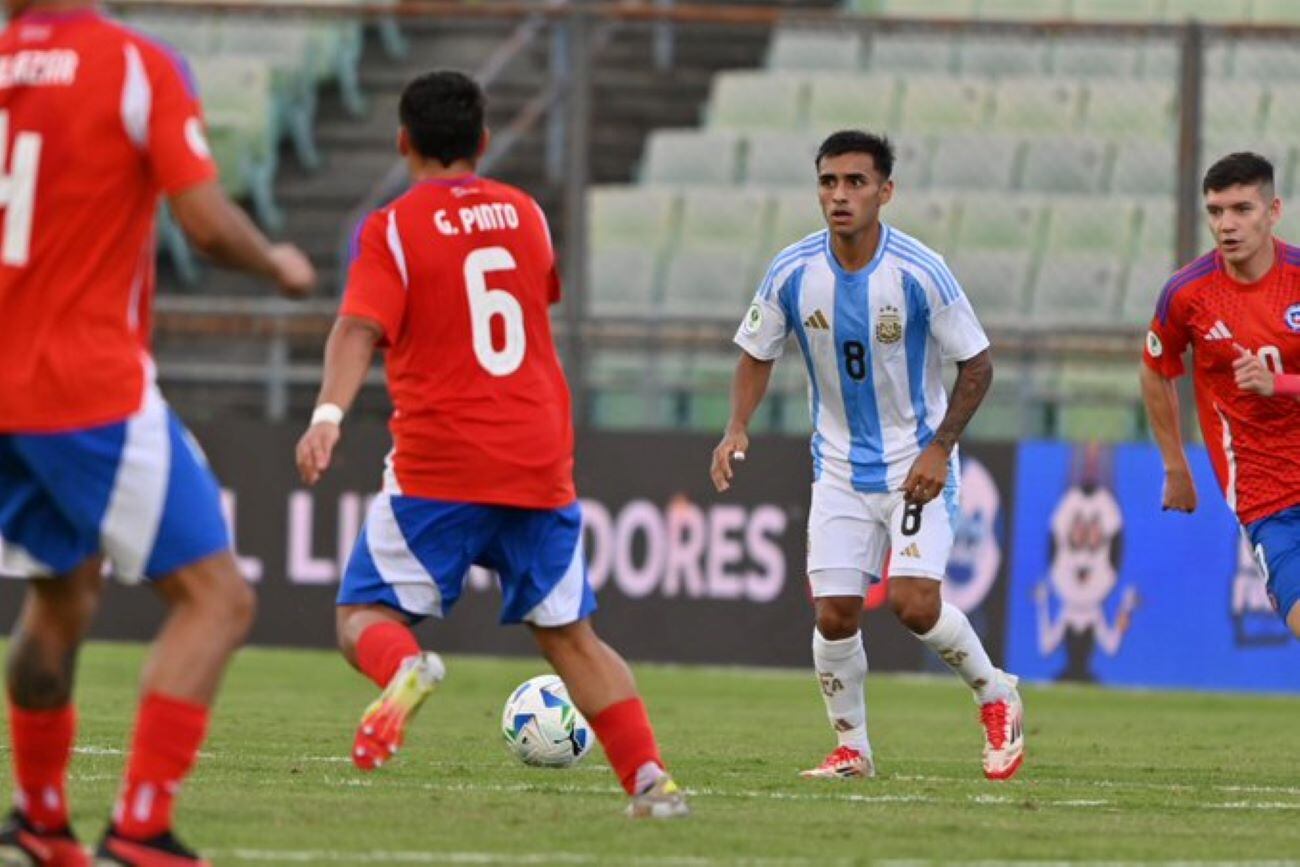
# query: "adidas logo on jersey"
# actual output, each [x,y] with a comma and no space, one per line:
[817,320]
[911,551]
[1218,332]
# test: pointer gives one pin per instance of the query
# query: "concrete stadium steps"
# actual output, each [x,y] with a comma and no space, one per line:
[631,97]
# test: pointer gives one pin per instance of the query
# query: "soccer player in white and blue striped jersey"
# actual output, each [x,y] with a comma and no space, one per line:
[876,313]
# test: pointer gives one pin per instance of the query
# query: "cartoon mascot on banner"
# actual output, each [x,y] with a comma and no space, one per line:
[1086,548]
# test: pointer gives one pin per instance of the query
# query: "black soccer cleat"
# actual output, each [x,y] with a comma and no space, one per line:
[163,850]
[22,845]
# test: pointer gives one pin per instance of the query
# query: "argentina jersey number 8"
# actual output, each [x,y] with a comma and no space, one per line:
[486,303]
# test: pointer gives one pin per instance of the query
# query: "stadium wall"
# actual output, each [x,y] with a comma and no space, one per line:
[1063,561]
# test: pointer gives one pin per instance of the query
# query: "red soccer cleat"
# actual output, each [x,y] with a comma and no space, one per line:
[844,763]
[383,725]
[161,851]
[21,844]
[1004,734]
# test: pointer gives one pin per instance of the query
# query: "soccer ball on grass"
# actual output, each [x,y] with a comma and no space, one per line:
[542,726]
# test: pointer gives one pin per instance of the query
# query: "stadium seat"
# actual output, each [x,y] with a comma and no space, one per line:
[1158,229]
[1233,109]
[1218,59]
[1073,290]
[1283,120]
[1064,165]
[1143,282]
[193,35]
[1144,168]
[1006,223]
[814,49]
[1036,106]
[622,280]
[1273,62]
[931,219]
[1098,225]
[709,400]
[287,47]
[782,159]
[1208,11]
[632,215]
[836,102]
[239,106]
[1162,61]
[994,57]
[929,8]
[1117,10]
[687,156]
[756,100]
[1276,12]
[708,283]
[974,162]
[935,105]
[1095,58]
[736,218]
[1022,10]
[996,282]
[796,216]
[912,156]
[1146,109]
[1109,422]
[628,390]
[1011,410]
[912,54]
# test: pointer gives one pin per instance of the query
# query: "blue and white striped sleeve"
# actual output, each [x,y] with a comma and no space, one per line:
[766,325]
[953,322]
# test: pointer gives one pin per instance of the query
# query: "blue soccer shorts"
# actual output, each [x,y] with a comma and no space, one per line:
[414,555]
[1276,540]
[138,491]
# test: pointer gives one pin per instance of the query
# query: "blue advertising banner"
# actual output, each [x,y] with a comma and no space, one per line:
[1106,587]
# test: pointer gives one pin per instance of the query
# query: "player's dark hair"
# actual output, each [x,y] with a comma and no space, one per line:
[855,141]
[1245,169]
[442,113]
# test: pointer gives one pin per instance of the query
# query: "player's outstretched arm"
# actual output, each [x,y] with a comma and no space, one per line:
[221,230]
[748,385]
[348,353]
[929,473]
[1161,399]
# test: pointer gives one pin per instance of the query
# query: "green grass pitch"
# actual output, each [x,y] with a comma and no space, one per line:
[1109,775]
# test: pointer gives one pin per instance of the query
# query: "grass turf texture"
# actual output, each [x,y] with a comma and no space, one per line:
[1109,775]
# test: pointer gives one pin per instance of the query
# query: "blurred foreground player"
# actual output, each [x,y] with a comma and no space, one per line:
[1238,309]
[455,279]
[96,121]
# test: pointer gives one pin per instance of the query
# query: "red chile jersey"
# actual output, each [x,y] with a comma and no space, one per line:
[461,275]
[95,122]
[1254,441]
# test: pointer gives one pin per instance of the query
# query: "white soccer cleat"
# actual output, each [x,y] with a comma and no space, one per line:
[1004,733]
[844,763]
[663,800]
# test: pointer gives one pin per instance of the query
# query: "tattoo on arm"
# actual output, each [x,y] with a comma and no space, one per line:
[973,378]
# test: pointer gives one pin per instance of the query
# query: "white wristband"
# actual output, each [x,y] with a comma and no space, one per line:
[330,413]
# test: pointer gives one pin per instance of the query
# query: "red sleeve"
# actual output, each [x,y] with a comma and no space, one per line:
[554,288]
[178,149]
[1168,336]
[377,281]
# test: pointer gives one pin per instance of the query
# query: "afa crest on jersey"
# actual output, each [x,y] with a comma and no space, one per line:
[889,325]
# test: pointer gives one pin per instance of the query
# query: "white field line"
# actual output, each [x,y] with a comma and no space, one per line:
[427,857]
[1111,784]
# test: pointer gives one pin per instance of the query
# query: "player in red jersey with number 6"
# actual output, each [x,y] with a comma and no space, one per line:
[455,279]
[1238,309]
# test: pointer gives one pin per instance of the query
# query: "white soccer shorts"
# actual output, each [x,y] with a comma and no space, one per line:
[850,534]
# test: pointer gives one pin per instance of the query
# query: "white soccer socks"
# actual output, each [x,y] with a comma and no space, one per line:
[841,668]
[954,639]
